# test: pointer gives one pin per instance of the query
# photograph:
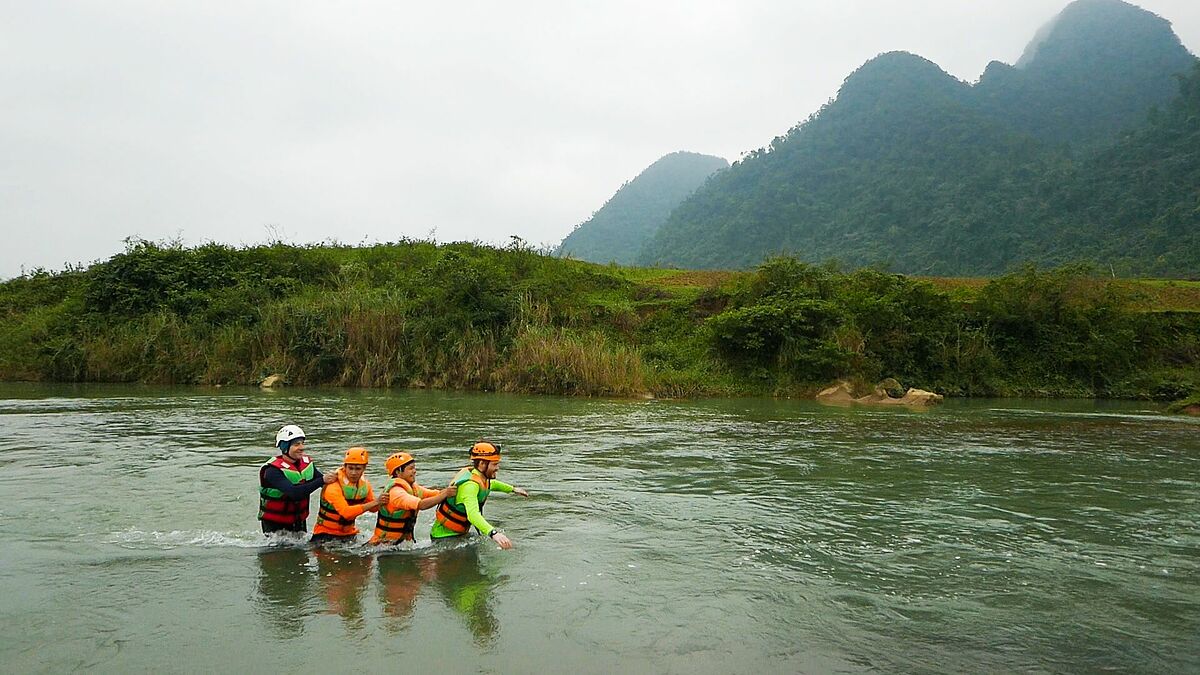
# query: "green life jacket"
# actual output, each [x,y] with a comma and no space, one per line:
[272,504]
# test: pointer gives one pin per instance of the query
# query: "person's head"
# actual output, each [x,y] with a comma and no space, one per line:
[401,465]
[290,442]
[488,469]
[355,463]
[485,457]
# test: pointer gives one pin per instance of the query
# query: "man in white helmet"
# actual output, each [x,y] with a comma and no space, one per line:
[285,483]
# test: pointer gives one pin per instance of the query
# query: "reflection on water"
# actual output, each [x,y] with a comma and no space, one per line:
[400,580]
[342,577]
[284,581]
[467,589]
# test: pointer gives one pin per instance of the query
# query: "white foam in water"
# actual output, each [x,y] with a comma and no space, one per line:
[202,538]
[1139,416]
[133,538]
[403,546]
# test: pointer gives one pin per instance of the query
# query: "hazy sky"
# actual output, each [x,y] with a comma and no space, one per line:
[371,121]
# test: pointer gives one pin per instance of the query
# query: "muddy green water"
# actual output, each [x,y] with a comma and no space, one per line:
[661,536]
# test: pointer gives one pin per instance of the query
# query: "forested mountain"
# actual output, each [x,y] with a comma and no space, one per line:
[912,168]
[1090,73]
[1136,204]
[630,217]
[901,168]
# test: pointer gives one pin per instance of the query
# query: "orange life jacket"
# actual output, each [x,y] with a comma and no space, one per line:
[396,525]
[453,515]
[329,521]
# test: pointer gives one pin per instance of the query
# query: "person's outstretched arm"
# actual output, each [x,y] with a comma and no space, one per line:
[431,498]
[373,504]
[501,486]
[337,499]
[293,491]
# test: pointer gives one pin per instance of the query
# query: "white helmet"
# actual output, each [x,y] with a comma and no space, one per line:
[288,434]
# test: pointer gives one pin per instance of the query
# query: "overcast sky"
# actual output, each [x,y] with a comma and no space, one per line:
[371,121]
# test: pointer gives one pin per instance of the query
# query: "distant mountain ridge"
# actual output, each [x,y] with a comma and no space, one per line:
[917,170]
[619,230]
[1091,72]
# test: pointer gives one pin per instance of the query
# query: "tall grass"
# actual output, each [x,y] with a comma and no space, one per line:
[464,316]
[555,360]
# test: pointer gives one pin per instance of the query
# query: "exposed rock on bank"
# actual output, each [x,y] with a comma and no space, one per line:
[1188,406]
[272,381]
[843,393]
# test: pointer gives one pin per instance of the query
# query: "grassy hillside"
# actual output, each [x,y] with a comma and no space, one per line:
[416,314]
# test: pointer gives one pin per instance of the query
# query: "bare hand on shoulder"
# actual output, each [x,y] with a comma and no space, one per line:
[451,490]
[330,478]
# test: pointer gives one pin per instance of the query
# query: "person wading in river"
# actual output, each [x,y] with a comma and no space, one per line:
[285,483]
[404,499]
[457,514]
[347,498]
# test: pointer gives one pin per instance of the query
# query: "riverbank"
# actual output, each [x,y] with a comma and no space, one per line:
[465,316]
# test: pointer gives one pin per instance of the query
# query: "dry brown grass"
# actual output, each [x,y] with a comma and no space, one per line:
[551,360]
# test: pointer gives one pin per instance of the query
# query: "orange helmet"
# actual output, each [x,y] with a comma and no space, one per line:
[356,455]
[395,461]
[485,450]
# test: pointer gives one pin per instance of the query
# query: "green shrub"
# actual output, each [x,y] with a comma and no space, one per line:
[469,316]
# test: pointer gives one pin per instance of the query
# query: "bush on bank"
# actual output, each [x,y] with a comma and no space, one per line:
[469,316]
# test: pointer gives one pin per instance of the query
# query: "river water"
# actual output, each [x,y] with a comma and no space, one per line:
[660,536]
